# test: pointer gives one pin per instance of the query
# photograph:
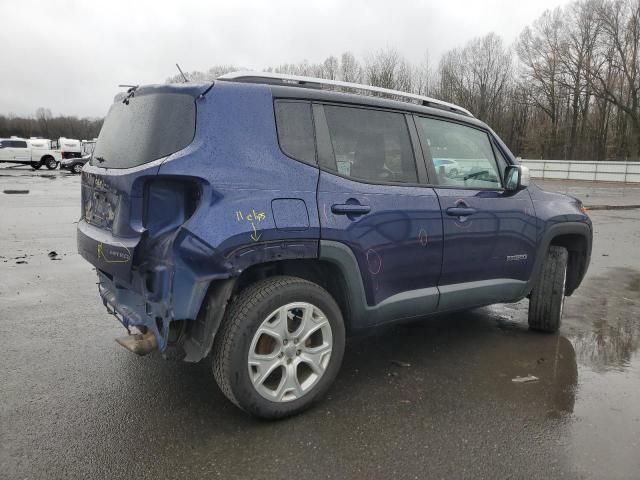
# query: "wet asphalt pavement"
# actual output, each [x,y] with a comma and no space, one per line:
[427,400]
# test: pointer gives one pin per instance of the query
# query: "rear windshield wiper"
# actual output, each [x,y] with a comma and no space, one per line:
[130,92]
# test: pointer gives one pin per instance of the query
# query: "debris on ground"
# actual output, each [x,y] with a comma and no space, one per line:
[399,363]
[53,255]
[16,191]
[527,379]
[21,261]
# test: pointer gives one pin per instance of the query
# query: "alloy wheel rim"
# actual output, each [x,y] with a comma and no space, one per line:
[290,352]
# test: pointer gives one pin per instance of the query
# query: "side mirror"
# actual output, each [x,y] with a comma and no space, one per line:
[516,177]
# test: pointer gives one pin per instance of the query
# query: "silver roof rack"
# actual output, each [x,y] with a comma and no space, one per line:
[300,81]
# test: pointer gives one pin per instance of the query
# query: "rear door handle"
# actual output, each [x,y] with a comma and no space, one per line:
[460,211]
[350,209]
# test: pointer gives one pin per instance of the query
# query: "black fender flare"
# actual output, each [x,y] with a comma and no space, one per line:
[551,232]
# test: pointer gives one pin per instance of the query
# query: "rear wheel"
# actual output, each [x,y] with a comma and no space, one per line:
[279,347]
[547,297]
[50,162]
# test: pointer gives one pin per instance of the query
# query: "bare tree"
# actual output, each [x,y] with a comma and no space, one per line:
[615,76]
[331,68]
[381,68]
[539,50]
[350,70]
[478,76]
[576,56]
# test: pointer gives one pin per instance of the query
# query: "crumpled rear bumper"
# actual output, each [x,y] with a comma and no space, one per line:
[132,309]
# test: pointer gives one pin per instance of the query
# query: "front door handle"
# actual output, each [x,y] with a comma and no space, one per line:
[350,209]
[460,211]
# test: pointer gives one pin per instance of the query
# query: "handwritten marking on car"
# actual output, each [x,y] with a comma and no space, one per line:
[252,217]
[120,256]
[515,258]
[423,238]
[374,261]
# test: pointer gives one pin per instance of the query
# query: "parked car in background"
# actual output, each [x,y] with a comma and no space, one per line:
[447,167]
[75,164]
[255,222]
[33,151]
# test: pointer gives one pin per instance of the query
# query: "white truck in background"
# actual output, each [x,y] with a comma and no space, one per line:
[69,147]
[29,151]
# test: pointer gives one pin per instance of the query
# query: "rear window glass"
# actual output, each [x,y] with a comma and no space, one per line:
[148,128]
[295,130]
[371,145]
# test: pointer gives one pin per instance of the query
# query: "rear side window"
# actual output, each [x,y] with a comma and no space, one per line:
[148,128]
[462,156]
[295,130]
[371,145]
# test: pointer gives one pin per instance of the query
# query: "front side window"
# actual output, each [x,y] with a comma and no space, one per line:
[370,145]
[295,130]
[462,156]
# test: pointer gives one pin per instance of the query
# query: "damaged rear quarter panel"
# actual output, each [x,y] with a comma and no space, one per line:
[240,169]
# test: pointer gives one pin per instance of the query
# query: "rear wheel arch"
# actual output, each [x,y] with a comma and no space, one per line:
[323,273]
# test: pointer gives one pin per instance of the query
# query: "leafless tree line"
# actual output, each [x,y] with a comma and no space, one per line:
[568,88]
[44,125]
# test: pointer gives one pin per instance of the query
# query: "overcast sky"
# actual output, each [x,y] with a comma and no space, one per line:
[70,56]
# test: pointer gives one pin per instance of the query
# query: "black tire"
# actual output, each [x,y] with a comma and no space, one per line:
[244,315]
[50,162]
[547,296]
[36,165]
[76,168]
[453,173]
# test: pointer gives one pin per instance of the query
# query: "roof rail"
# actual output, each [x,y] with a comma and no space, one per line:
[300,81]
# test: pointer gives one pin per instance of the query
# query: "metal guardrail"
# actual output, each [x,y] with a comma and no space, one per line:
[627,172]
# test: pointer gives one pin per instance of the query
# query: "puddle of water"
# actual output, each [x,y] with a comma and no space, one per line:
[604,321]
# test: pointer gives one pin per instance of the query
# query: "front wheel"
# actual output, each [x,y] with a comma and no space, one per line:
[547,296]
[279,347]
[36,165]
[77,168]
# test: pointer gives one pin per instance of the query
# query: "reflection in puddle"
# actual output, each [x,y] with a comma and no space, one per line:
[606,320]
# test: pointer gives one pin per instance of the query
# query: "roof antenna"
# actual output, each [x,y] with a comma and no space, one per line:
[182,73]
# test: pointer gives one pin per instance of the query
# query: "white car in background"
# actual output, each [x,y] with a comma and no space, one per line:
[450,168]
[33,151]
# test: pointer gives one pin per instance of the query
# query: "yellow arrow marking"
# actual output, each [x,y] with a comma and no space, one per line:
[254,236]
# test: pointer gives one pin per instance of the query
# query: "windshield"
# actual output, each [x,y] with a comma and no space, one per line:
[148,127]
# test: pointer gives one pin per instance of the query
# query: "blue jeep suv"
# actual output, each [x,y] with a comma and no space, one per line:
[259,219]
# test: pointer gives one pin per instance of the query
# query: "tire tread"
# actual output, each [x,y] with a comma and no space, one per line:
[547,296]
